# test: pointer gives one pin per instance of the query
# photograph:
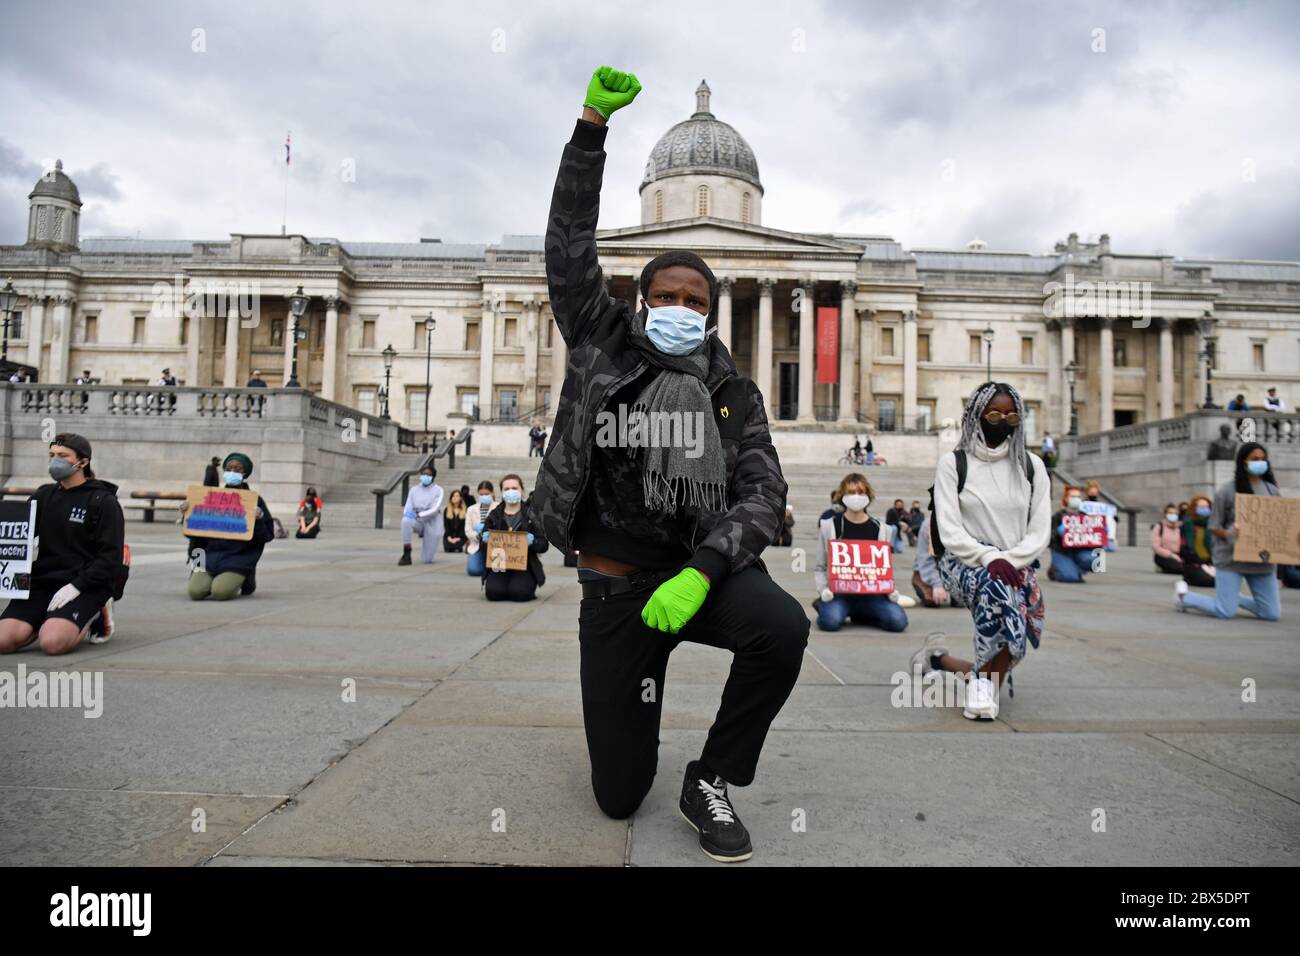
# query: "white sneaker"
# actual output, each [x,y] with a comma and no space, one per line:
[936,643]
[101,631]
[905,601]
[1180,590]
[981,699]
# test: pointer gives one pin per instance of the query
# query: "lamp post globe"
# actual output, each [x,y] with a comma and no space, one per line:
[389,354]
[298,303]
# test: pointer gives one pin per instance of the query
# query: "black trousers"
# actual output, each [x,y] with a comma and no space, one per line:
[1168,565]
[1197,576]
[509,585]
[623,666]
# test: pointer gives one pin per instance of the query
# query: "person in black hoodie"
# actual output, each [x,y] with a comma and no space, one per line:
[514,514]
[79,527]
[224,568]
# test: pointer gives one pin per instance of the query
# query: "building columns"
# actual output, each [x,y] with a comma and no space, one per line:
[910,409]
[327,382]
[1067,357]
[807,351]
[232,347]
[763,360]
[848,348]
[1052,401]
[866,340]
[528,400]
[36,331]
[1106,363]
[193,332]
[724,311]
[62,338]
[1166,367]
[487,340]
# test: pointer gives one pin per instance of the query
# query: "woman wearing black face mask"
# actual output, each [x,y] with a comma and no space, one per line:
[992,508]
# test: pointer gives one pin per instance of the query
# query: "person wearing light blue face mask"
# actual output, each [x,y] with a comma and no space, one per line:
[513,514]
[422,515]
[221,568]
[1253,476]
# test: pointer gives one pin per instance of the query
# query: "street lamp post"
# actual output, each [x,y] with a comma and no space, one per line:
[988,345]
[1071,374]
[298,303]
[1207,355]
[430,324]
[8,299]
[389,354]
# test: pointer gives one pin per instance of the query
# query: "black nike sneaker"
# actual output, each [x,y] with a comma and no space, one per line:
[706,806]
[250,583]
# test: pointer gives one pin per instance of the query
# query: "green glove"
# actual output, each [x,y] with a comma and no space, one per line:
[675,601]
[611,90]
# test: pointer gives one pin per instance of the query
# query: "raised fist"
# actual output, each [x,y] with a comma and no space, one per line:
[611,90]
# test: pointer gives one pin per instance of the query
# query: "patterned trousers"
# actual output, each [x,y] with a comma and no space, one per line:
[1004,616]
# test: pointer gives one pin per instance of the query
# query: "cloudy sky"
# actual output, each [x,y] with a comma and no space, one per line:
[1170,125]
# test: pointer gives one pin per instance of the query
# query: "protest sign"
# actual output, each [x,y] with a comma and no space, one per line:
[508,551]
[860,567]
[1084,530]
[1268,529]
[220,512]
[17,548]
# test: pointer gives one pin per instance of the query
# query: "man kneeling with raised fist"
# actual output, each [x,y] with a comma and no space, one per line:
[668,524]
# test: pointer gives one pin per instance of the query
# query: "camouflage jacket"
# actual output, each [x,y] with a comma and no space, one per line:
[594,326]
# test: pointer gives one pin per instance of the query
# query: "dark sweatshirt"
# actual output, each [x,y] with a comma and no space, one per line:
[81,532]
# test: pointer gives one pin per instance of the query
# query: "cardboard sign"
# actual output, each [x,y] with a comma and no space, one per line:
[1085,530]
[860,567]
[17,548]
[1268,529]
[220,512]
[508,551]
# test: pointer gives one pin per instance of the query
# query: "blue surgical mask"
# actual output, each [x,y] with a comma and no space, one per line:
[1258,468]
[485,499]
[232,477]
[512,497]
[1203,511]
[674,329]
[426,480]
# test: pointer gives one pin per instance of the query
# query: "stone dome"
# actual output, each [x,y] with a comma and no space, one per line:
[55,184]
[702,144]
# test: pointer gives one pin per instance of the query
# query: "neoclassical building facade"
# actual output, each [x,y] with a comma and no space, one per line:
[890,338]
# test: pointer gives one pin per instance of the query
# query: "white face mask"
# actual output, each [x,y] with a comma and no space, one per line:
[1074,502]
[1171,517]
[856,502]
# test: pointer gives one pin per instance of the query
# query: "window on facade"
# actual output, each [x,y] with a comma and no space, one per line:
[702,201]
[1026,350]
[659,205]
[1257,352]
[549,326]
[886,340]
[923,347]
[277,331]
[16,325]
[1121,352]
[137,330]
[792,332]
[367,333]
[471,336]
[924,415]
[318,334]
[546,401]
[415,402]
[744,208]
[90,330]
[888,409]
[366,399]
[468,398]
[510,332]
[1031,423]
[185,329]
[976,350]
[507,403]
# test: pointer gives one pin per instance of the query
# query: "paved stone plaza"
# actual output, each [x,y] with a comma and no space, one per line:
[464,707]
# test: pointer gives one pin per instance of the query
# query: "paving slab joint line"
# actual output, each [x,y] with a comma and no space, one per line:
[1231,773]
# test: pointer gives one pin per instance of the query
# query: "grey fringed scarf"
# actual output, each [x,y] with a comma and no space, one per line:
[677,393]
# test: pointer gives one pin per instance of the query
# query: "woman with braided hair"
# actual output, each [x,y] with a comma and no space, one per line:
[992,509]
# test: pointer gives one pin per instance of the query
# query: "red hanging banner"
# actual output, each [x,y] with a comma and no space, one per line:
[828,345]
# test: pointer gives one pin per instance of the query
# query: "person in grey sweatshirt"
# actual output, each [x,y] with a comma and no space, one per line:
[422,515]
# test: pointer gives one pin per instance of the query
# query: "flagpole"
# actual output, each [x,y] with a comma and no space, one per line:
[284,215]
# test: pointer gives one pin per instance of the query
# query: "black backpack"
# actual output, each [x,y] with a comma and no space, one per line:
[936,544]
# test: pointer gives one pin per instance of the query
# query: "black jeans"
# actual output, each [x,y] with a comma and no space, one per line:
[509,586]
[623,665]
[1169,565]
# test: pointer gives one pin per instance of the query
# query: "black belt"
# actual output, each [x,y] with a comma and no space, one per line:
[598,584]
